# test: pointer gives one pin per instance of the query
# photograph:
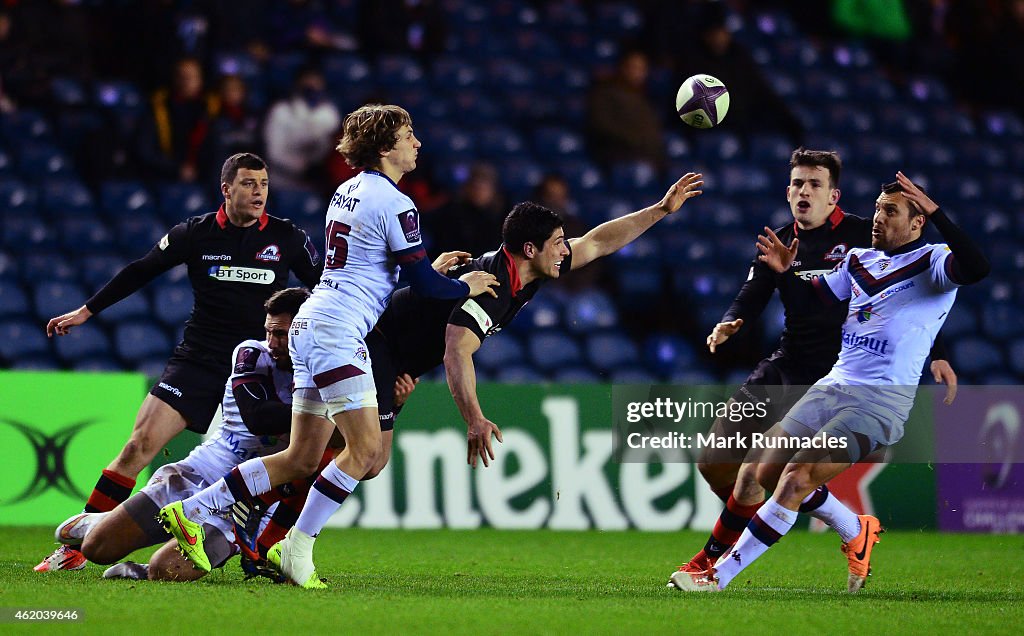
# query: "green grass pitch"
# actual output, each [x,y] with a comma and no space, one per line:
[504,582]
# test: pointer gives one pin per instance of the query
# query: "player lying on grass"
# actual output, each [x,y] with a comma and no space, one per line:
[900,292]
[243,238]
[256,416]
[416,333]
[823,232]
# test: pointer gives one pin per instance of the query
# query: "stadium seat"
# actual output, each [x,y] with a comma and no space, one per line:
[6,162]
[16,196]
[398,71]
[281,70]
[962,321]
[693,377]
[631,176]
[770,149]
[575,375]
[519,176]
[295,204]
[26,233]
[41,160]
[44,266]
[41,362]
[172,303]
[10,267]
[124,199]
[97,269]
[1016,353]
[179,201]
[13,300]
[117,95]
[590,310]
[499,351]
[582,175]
[552,349]
[82,343]
[609,351]
[151,367]
[134,307]
[449,141]
[20,338]
[499,142]
[632,375]
[54,298]
[975,356]
[24,126]
[665,354]
[718,145]
[450,72]
[1002,320]
[1003,124]
[520,374]
[637,283]
[553,143]
[85,234]
[136,341]
[136,234]
[66,198]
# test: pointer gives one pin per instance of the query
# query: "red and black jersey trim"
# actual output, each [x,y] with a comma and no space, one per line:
[834,220]
[515,284]
[410,255]
[873,286]
[222,218]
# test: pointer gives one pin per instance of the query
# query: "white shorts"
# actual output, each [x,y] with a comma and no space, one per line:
[856,412]
[334,359]
[181,480]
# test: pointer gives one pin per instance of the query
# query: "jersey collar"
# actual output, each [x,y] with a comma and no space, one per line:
[513,271]
[222,219]
[907,247]
[833,220]
[382,176]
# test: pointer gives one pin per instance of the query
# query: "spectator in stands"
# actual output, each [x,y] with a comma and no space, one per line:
[754,107]
[553,192]
[234,129]
[619,99]
[304,25]
[171,138]
[469,222]
[299,132]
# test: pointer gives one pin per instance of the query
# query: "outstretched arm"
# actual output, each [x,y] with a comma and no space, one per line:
[460,345]
[613,235]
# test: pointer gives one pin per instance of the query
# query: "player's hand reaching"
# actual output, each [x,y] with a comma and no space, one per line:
[944,374]
[774,252]
[478,440]
[479,283]
[448,260]
[404,385]
[61,325]
[917,198]
[722,332]
[687,187]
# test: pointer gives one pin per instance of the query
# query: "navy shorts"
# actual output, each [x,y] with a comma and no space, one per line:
[192,389]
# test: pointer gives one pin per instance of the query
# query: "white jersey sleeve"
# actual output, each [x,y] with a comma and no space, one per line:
[836,282]
[940,267]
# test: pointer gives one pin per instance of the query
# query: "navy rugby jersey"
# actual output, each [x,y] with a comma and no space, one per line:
[414,325]
[233,271]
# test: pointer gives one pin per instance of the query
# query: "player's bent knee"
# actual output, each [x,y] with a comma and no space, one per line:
[97,549]
[767,475]
[796,480]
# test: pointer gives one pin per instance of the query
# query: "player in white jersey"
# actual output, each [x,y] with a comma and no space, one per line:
[372,229]
[256,410]
[900,293]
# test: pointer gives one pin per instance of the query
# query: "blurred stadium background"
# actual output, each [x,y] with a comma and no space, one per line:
[115,115]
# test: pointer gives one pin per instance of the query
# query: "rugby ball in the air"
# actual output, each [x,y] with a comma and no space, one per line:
[702,101]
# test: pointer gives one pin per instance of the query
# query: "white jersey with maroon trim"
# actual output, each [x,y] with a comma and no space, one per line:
[253,369]
[898,302]
[372,228]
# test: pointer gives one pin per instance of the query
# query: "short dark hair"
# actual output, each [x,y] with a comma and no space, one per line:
[370,130]
[894,187]
[828,159]
[529,222]
[286,301]
[236,162]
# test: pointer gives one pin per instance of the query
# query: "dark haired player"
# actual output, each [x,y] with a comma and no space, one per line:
[900,291]
[237,257]
[417,333]
[822,234]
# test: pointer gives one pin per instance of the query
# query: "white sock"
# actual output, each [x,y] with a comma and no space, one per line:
[325,497]
[838,517]
[769,524]
[248,479]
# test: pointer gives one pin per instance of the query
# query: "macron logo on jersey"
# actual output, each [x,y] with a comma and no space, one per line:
[410,220]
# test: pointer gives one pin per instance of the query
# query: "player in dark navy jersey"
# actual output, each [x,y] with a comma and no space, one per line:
[822,234]
[236,258]
[416,334]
